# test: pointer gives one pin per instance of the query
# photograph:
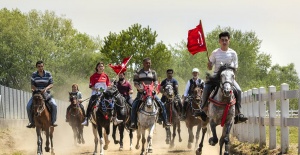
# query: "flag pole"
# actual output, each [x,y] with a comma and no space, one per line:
[122,69]
[204,39]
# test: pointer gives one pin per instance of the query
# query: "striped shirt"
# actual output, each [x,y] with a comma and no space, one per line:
[226,57]
[41,82]
[145,76]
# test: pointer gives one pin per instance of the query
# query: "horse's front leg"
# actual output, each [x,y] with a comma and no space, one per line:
[138,132]
[114,134]
[47,148]
[168,135]
[130,136]
[80,128]
[39,141]
[74,135]
[214,139]
[191,137]
[149,139]
[99,128]
[143,141]
[179,131]
[173,135]
[197,135]
[226,139]
[121,131]
[95,138]
[106,136]
[51,140]
[199,150]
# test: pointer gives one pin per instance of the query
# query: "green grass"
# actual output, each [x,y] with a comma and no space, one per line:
[252,149]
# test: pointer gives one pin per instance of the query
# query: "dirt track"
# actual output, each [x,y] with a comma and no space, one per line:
[23,141]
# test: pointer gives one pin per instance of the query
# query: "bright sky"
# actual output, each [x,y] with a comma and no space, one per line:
[275,22]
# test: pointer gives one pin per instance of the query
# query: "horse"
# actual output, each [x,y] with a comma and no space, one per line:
[221,109]
[172,114]
[76,117]
[147,116]
[194,101]
[42,119]
[101,118]
[123,111]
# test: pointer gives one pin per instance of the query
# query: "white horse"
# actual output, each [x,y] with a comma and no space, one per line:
[221,108]
[147,115]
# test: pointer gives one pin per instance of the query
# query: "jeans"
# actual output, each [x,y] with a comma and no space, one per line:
[90,105]
[53,113]
[137,101]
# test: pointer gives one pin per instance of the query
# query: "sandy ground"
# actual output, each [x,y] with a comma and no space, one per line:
[20,140]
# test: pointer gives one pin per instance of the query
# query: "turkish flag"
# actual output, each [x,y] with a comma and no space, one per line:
[121,68]
[196,41]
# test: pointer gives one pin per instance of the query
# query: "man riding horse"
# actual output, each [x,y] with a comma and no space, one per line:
[146,76]
[125,89]
[174,82]
[42,80]
[195,81]
[222,55]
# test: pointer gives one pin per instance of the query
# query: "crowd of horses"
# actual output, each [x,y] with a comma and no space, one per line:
[220,112]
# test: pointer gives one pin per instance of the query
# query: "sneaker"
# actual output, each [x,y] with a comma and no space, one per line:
[117,121]
[240,118]
[30,125]
[133,126]
[53,125]
[86,122]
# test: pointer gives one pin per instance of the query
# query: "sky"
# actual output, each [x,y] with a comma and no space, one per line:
[275,22]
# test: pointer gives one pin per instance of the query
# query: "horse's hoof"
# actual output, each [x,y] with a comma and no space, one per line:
[105,147]
[150,150]
[83,142]
[39,153]
[198,152]
[167,141]
[121,149]
[172,145]
[47,149]
[226,153]
[137,147]
[180,140]
[212,141]
[116,142]
[189,145]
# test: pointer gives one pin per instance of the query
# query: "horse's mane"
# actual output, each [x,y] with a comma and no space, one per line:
[216,78]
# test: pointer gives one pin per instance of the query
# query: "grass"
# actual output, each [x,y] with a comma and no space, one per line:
[239,148]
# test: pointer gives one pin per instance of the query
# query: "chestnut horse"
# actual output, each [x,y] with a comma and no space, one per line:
[76,117]
[194,101]
[42,119]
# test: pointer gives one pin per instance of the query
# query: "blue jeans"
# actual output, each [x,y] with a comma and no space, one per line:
[137,101]
[53,113]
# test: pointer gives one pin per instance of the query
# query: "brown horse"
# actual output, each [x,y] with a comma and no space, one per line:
[75,116]
[42,119]
[191,121]
[172,114]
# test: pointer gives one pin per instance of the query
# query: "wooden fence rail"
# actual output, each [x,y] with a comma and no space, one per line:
[13,104]
[254,105]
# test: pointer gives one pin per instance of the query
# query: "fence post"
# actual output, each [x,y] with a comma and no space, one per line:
[255,110]
[284,129]
[262,115]
[299,119]
[250,136]
[272,116]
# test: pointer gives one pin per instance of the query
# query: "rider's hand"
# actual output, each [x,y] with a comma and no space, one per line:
[140,90]
[209,65]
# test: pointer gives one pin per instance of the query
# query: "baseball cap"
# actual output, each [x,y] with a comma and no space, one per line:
[195,70]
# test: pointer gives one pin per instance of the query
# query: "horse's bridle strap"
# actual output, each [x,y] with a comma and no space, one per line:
[218,103]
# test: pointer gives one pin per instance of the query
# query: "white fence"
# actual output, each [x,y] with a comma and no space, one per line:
[254,106]
[13,104]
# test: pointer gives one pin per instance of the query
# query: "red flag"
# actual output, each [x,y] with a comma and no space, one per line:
[121,68]
[196,41]
[158,88]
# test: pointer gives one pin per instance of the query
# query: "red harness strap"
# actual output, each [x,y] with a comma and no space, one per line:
[226,109]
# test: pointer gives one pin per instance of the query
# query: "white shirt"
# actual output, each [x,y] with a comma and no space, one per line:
[187,87]
[226,57]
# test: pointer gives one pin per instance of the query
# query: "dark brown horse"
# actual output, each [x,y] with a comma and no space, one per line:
[194,101]
[172,114]
[42,119]
[75,116]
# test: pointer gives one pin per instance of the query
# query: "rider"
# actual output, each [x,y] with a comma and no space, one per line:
[41,80]
[99,80]
[75,89]
[174,82]
[124,87]
[188,89]
[147,76]
[224,55]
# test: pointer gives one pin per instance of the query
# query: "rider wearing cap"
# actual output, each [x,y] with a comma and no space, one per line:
[188,89]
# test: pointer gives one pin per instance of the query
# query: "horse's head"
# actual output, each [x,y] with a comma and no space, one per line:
[38,102]
[148,94]
[226,81]
[169,91]
[108,98]
[73,98]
